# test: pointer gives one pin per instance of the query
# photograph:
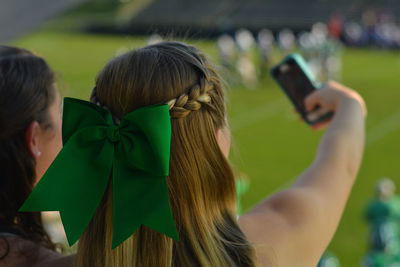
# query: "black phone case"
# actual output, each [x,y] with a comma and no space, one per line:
[308,76]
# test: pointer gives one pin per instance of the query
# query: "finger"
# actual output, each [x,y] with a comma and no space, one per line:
[320,125]
[316,114]
[311,101]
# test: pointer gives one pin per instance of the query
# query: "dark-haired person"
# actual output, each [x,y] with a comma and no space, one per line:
[30,138]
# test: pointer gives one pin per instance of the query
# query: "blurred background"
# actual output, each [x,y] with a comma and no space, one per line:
[355,42]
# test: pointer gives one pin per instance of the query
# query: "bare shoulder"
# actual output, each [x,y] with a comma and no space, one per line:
[265,233]
[274,225]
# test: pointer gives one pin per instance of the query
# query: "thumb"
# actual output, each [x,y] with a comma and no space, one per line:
[311,101]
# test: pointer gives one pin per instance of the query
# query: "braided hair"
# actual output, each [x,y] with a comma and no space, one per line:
[201,183]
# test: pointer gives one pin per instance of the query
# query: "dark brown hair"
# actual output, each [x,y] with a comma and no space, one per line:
[201,182]
[26,92]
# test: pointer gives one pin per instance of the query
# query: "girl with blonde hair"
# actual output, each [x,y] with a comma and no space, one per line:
[289,228]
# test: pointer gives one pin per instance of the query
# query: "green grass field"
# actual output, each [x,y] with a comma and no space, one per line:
[271,145]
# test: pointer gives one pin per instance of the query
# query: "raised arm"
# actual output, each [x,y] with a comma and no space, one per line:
[294,227]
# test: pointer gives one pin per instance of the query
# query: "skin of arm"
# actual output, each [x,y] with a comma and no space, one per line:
[293,227]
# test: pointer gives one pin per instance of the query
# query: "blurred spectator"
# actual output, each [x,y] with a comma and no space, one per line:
[265,40]
[335,26]
[329,260]
[383,215]
[286,40]
[244,40]
[245,65]
[354,34]
[227,51]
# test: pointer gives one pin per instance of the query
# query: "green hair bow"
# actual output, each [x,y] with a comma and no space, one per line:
[134,154]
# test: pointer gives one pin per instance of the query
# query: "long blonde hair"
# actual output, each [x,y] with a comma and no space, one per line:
[201,182]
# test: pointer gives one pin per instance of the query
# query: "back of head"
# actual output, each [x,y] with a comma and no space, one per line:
[201,183]
[26,91]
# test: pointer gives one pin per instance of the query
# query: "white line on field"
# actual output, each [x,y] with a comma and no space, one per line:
[384,128]
[374,134]
[255,115]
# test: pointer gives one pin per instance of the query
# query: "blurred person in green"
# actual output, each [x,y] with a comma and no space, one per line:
[329,260]
[242,186]
[381,260]
[383,214]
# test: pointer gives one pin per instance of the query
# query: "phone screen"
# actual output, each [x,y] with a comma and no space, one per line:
[295,82]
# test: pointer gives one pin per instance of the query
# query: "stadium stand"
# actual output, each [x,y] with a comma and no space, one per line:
[226,15]
[18,17]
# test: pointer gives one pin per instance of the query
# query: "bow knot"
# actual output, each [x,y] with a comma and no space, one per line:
[113,134]
[133,157]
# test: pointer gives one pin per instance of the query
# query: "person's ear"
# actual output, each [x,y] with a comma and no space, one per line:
[32,139]
[219,134]
[224,140]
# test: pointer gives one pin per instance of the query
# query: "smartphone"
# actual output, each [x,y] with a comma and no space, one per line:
[297,81]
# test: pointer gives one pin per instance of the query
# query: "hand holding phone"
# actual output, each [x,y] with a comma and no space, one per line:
[297,81]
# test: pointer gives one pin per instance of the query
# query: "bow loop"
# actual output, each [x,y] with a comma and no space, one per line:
[135,154]
[78,114]
[152,126]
